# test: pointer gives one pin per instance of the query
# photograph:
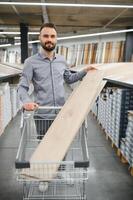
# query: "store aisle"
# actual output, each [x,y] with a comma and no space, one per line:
[9,187]
[108,178]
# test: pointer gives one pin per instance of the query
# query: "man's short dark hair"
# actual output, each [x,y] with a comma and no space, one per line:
[49,25]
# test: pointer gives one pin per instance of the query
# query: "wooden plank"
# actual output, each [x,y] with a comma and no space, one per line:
[71,117]
[115,68]
[121,72]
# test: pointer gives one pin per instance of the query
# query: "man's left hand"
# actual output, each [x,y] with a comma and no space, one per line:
[88,68]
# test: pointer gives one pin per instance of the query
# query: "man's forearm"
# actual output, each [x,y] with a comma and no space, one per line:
[73,77]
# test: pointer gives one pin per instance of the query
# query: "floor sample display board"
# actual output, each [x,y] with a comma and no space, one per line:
[60,135]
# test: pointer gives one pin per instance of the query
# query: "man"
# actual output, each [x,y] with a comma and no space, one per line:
[47,71]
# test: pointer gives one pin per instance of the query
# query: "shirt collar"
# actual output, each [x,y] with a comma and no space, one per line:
[44,56]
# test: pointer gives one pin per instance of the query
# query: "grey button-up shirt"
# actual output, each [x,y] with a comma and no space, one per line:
[48,79]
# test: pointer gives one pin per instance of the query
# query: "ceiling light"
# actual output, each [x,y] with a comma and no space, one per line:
[9,33]
[5,45]
[17,38]
[66,5]
[34,41]
[17,33]
[95,34]
[33,33]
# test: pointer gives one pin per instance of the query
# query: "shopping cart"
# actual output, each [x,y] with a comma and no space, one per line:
[69,182]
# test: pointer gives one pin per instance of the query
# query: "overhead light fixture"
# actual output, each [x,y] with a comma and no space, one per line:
[17,38]
[81,36]
[17,33]
[9,33]
[18,43]
[33,33]
[5,45]
[66,5]
[35,41]
[95,34]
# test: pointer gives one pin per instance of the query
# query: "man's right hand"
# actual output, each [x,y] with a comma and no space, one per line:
[30,106]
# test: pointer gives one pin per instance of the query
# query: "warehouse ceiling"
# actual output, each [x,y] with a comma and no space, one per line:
[68,20]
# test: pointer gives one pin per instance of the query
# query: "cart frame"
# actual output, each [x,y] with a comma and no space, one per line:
[72,175]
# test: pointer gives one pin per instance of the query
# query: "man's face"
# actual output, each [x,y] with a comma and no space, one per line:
[48,38]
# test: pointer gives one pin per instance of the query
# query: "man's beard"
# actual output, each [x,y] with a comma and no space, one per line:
[48,48]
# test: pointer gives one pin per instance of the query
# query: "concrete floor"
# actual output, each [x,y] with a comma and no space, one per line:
[109,179]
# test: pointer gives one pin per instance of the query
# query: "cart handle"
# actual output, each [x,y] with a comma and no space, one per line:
[49,107]
[40,107]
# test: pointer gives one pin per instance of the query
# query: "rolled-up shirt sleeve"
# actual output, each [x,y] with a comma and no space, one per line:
[71,77]
[24,83]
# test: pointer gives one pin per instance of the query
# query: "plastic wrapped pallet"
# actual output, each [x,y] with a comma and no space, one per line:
[112,112]
[127,143]
[7,103]
[1,112]
[13,93]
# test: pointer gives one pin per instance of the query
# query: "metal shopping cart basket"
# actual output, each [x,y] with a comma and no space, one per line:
[72,174]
